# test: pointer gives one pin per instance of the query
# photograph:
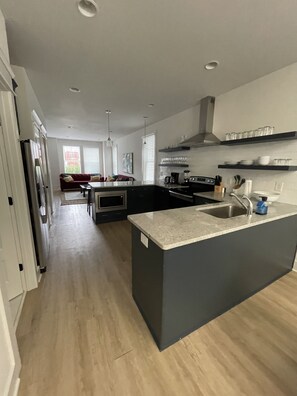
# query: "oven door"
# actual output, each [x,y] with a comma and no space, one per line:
[107,201]
[179,200]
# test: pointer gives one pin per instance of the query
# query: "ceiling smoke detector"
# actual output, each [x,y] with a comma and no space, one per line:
[87,8]
[74,89]
[211,65]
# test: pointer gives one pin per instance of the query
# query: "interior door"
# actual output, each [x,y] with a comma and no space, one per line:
[8,233]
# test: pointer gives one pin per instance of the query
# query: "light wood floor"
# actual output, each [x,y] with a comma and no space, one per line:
[80,333]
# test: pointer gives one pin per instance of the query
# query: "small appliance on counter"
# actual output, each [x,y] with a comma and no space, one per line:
[186,176]
[174,178]
[167,180]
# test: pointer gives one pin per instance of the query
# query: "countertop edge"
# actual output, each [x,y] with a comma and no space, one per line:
[208,236]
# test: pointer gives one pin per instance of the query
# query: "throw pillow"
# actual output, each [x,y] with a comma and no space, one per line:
[95,178]
[68,179]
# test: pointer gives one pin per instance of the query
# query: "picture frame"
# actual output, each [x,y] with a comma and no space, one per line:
[127,163]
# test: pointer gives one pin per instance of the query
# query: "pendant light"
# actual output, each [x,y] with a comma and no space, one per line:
[109,141]
[144,136]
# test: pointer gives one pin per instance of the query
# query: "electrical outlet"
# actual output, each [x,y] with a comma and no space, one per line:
[278,186]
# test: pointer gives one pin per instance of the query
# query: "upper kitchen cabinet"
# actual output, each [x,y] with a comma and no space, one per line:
[29,111]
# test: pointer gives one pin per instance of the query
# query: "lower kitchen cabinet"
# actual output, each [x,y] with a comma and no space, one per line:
[180,289]
[107,217]
[140,199]
[162,198]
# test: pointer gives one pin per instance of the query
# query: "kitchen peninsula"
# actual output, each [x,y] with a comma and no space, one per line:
[188,266]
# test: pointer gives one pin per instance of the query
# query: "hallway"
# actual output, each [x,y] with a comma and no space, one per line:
[80,332]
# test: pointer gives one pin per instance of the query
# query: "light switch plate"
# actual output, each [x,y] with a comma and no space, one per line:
[144,240]
[278,186]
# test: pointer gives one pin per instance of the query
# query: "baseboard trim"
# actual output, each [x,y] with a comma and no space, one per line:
[15,389]
[16,322]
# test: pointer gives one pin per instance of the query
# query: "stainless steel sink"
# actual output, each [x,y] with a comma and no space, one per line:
[225,212]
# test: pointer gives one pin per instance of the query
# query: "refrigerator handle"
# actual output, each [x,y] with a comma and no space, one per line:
[44,216]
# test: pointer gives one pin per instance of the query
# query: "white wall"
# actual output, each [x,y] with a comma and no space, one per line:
[131,144]
[26,102]
[168,132]
[3,37]
[55,152]
[270,100]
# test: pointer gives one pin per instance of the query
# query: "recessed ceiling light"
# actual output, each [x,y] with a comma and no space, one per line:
[87,8]
[74,89]
[211,65]
[151,105]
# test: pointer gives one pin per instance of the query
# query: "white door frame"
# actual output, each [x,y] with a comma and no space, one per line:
[9,231]
[10,362]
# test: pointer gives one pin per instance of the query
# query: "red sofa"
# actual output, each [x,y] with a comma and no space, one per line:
[85,178]
[78,178]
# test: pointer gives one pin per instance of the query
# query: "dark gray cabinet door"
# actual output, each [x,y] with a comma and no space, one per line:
[140,199]
[162,199]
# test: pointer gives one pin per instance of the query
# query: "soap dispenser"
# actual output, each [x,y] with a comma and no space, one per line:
[262,207]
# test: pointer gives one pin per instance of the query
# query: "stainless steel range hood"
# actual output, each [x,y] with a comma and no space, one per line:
[204,137]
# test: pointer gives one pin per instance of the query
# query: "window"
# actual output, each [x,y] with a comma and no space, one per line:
[115,160]
[91,160]
[148,157]
[71,156]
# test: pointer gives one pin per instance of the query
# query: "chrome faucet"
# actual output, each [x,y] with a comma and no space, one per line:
[248,207]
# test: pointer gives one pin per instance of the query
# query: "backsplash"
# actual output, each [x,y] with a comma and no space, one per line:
[204,161]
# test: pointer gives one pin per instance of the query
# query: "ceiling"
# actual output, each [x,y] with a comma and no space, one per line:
[136,52]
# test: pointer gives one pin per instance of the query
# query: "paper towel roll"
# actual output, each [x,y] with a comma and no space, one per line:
[248,187]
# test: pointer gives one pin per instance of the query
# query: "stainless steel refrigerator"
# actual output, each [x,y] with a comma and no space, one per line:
[37,191]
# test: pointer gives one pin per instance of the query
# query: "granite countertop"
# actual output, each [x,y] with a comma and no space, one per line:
[133,184]
[178,227]
[120,184]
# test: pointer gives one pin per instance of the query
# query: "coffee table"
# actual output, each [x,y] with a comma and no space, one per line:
[84,188]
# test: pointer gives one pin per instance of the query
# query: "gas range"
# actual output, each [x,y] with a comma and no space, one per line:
[181,197]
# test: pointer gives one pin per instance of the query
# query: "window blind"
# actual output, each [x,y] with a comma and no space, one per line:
[91,160]
[148,157]
[115,159]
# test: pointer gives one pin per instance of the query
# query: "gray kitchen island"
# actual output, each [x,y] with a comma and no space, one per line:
[189,267]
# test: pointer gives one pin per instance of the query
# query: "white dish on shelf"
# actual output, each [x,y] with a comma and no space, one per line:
[246,162]
[264,160]
[231,162]
[272,196]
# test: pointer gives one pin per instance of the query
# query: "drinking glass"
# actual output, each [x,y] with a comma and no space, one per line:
[228,136]
[261,131]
